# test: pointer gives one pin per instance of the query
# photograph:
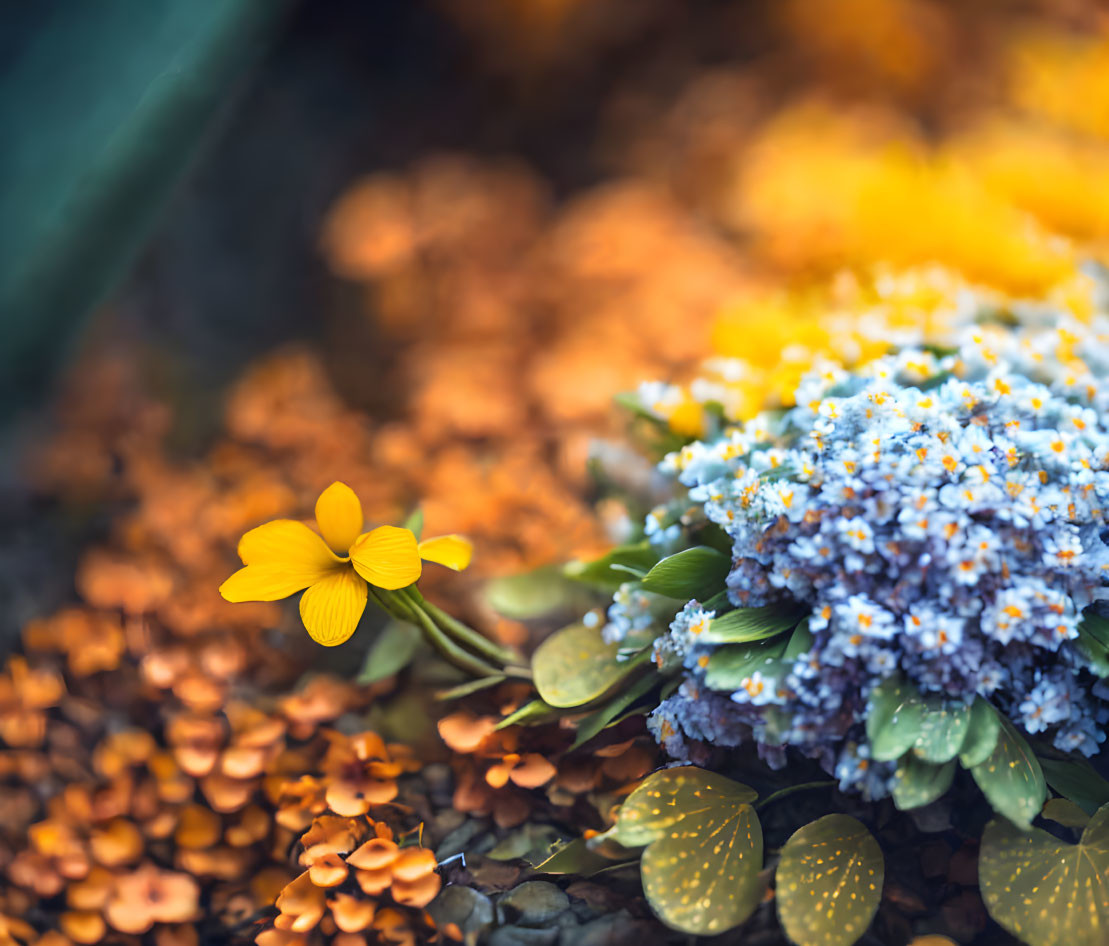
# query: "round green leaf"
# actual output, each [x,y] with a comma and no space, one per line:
[829,882]
[1044,891]
[702,877]
[943,730]
[894,720]
[981,737]
[1011,778]
[574,666]
[666,797]
[918,783]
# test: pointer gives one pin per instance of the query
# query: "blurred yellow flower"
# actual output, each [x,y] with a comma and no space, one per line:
[283,557]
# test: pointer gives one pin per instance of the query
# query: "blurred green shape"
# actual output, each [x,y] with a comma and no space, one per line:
[102,104]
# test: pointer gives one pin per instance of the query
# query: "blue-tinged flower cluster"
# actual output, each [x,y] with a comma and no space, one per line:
[944,515]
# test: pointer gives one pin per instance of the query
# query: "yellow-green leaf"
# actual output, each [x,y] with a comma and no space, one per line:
[1011,778]
[574,666]
[666,797]
[829,882]
[1044,891]
[704,847]
[1065,812]
[703,876]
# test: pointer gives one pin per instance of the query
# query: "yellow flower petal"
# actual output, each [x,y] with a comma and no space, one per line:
[332,608]
[387,557]
[286,542]
[267,582]
[454,551]
[339,516]
[281,558]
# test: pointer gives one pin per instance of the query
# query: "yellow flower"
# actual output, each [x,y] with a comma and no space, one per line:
[283,557]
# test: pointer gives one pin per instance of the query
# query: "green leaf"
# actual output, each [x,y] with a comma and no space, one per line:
[471,686]
[575,857]
[1093,647]
[530,595]
[943,730]
[415,522]
[982,732]
[752,624]
[665,797]
[800,642]
[531,713]
[701,866]
[593,724]
[391,652]
[895,715]
[829,882]
[1096,627]
[919,783]
[729,666]
[575,666]
[1076,780]
[1011,778]
[1065,812]
[698,573]
[603,573]
[1045,891]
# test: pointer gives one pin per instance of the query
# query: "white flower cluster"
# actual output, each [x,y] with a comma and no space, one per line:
[944,515]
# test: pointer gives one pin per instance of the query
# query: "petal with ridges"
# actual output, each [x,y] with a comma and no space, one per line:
[339,516]
[453,551]
[332,608]
[289,543]
[387,557]
[270,582]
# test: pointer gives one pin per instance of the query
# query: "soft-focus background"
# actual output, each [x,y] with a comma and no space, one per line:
[419,246]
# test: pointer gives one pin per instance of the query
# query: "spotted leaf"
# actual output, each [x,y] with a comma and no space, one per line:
[918,783]
[894,720]
[1011,777]
[702,876]
[981,737]
[704,847]
[575,666]
[943,730]
[666,797]
[1045,891]
[829,882]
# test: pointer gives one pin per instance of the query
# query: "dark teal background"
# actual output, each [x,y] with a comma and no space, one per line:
[102,105]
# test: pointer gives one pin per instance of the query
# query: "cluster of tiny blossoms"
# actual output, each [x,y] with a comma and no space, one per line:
[942,511]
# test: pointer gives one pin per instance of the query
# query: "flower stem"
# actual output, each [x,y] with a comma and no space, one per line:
[465,635]
[400,605]
[790,790]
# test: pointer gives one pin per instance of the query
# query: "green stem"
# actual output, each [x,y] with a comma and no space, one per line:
[791,790]
[400,606]
[465,635]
